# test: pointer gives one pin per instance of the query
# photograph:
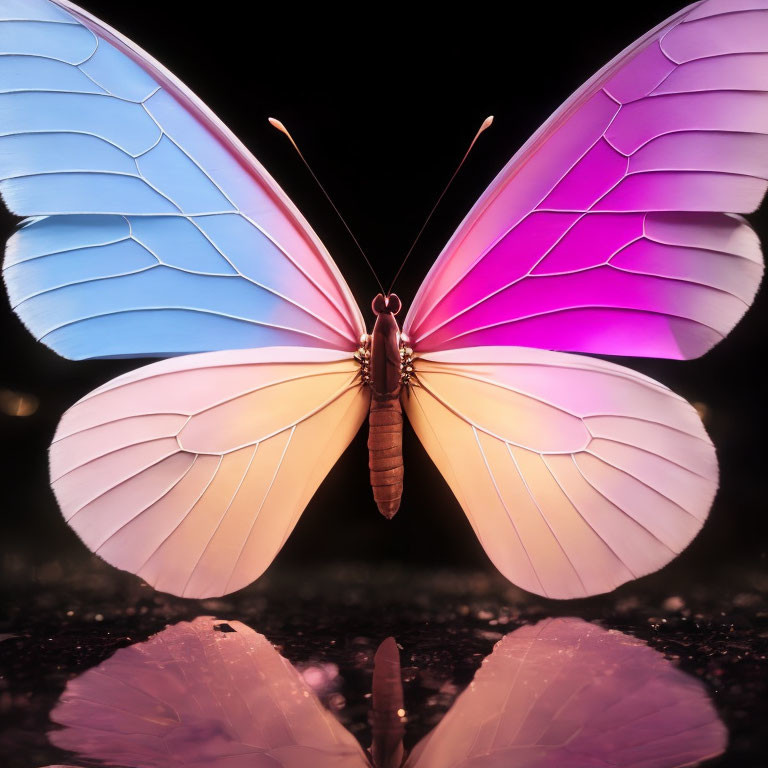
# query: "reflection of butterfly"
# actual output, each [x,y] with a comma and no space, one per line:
[561,693]
[153,231]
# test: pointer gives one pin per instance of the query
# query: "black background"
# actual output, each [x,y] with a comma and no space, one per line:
[383,100]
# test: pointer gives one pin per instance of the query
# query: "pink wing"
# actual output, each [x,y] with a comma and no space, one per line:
[193,471]
[567,694]
[195,696]
[605,232]
[577,475]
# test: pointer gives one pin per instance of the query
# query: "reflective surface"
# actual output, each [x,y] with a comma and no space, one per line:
[328,624]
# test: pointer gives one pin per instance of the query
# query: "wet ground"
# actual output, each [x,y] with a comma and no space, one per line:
[69,620]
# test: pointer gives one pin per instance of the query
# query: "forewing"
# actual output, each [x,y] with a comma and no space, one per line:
[577,475]
[193,471]
[154,231]
[193,695]
[568,694]
[605,233]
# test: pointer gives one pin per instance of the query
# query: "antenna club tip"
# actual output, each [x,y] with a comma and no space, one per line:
[273,121]
[487,122]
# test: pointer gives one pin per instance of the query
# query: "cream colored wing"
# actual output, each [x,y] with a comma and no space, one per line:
[193,471]
[577,475]
[203,694]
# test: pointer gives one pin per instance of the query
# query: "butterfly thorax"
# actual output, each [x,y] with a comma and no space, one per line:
[385,366]
[385,373]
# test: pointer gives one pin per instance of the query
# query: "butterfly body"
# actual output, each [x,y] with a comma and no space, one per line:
[386,715]
[151,231]
[385,378]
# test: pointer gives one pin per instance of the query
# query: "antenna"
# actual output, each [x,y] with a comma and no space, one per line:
[486,124]
[275,123]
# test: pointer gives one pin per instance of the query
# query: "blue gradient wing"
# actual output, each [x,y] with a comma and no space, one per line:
[152,231]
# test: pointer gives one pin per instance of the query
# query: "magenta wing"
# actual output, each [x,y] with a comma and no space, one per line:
[613,230]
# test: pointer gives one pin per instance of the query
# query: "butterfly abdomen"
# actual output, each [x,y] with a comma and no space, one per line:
[385,454]
[385,421]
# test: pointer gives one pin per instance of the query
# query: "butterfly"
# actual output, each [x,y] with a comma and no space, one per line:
[562,693]
[152,231]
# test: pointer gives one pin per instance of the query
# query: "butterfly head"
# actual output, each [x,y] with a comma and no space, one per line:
[390,304]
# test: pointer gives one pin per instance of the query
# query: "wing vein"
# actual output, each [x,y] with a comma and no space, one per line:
[221,519]
[586,521]
[543,516]
[147,507]
[184,517]
[619,508]
[506,508]
[247,538]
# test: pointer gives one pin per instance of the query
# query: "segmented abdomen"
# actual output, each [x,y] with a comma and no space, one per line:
[385,453]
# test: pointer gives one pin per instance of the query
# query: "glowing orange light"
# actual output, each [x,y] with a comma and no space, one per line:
[17,403]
